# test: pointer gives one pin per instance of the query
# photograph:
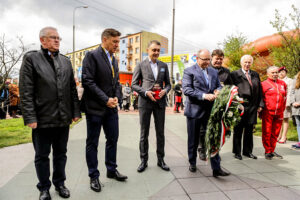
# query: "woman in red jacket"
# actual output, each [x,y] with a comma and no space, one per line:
[274,96]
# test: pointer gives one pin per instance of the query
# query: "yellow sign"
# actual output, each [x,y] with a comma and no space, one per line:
[184,58]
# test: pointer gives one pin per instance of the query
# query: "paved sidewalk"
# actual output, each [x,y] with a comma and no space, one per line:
[250,179]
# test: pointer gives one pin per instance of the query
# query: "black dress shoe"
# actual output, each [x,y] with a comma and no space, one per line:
[220,172]
[250,155]
[276,155]
[163,165]
[238,156]
[95,185]
[142,167]
[116,175]
[268,156]
[202,156]
[63,191]
[45,195]
[192,168]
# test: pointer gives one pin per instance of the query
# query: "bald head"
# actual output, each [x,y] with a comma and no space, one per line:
[203,58]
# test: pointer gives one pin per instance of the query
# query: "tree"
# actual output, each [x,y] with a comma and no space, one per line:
[288,54]
[10,56]
[233,50]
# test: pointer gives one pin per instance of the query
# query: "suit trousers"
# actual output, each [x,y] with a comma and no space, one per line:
[196,128]
[43,139]
[246,129]
[110,123]
[271,125]
[159,121]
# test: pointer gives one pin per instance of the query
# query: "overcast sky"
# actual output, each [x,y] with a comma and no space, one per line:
[198,23]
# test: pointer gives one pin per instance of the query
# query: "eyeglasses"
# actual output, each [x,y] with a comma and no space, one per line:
[54,37]
[206,59]
[156,50]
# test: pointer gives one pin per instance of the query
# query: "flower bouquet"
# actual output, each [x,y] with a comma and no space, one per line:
[226,112]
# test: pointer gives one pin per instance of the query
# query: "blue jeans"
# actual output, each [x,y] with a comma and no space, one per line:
[297,118]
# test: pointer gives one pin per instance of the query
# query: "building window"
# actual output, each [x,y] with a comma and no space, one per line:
[123,51]
[130,51]
[136,61]
[137,50]
[130,40]
[123,41]
[130,62]
[123,62]
[137,38]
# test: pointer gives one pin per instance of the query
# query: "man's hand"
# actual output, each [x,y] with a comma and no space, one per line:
[111,103]
[76,119]
[32,125]
[162,93]
[216,92]
[210,97]
[150,95]
[116,101]
[296,104]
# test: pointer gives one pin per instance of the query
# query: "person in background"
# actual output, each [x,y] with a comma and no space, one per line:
[14,98]
[295,104]
[178,96]
[249,88]
[126,91]
[282,73]
[274,96]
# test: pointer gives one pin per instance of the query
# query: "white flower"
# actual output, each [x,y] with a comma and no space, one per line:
[230,114]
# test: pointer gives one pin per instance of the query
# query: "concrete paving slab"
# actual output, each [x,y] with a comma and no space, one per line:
[198,185]
[183,172]
[256,180]
[248,194]
[278,193]
[209,196]
[229,183]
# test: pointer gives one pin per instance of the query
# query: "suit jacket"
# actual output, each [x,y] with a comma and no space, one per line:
[143,80]
[98,82]
[194,86]
[252,94]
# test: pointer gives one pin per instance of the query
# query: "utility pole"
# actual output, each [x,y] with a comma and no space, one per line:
[172,55]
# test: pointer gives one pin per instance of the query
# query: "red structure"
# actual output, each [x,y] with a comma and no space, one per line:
[125,77]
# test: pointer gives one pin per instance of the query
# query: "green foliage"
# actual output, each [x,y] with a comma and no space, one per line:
[292,134]
[13,132]
[233,50]
[288,54]
[219,113]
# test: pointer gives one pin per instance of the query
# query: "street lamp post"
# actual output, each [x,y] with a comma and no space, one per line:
[73,54]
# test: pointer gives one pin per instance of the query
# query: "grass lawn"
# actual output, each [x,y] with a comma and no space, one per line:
[13,132]
[291,135]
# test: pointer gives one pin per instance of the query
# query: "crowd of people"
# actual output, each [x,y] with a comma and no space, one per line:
[10,100]
[51,100]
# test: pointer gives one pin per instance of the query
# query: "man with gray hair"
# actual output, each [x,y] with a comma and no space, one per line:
[274,93]
[249,88]
[49,104]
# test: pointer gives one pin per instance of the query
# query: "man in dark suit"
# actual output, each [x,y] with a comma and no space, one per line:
[201,86]
[149,73]
[217,57]
[100,79]
[249,88]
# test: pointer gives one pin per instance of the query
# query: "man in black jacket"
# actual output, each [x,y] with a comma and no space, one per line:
[49,103]
[100,79]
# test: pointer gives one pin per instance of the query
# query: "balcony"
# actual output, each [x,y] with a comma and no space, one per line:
[129,46]
[128,55]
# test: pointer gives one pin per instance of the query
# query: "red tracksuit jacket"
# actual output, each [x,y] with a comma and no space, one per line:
[274,96]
